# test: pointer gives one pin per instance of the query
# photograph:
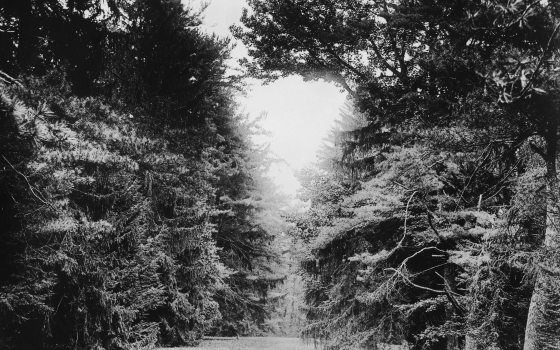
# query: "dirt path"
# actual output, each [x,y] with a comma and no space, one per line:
[252,344]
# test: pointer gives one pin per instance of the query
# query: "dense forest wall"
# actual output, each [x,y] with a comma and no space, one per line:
[433,218]
[131,200]
[134,211]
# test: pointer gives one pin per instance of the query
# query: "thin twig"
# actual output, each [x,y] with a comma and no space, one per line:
[539,64]
[406,217]
[36,193]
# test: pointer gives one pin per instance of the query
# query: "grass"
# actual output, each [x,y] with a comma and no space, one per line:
[253,344]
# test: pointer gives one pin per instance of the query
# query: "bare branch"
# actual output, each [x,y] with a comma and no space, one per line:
[383,60]
[342,81]
[397,271]
[36,193]
[539,64]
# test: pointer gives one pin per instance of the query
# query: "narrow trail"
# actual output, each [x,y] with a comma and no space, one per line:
[269,343]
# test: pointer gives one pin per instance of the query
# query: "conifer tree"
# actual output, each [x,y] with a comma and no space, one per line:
[455,84]
[113,202]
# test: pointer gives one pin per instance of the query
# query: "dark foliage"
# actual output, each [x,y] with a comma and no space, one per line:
[128,194]
[409,232]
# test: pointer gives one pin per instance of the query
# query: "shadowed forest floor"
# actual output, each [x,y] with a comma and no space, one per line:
[253,344]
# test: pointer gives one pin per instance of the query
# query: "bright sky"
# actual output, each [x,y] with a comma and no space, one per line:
[298,114]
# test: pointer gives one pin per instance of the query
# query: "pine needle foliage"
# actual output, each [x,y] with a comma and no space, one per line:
[412,227]
[131,202]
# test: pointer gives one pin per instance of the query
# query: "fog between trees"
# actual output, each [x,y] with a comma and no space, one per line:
[135,210]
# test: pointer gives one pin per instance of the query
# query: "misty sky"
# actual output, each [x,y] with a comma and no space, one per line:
[299,114]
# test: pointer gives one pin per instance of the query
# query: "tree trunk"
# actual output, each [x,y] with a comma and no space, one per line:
[470,343]
[535,338]
[534,316]
[449,279]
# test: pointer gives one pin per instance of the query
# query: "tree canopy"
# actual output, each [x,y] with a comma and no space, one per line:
[418,216]
[131,202]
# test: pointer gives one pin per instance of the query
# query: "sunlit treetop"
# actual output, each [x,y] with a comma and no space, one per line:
[408,62]
[355,41]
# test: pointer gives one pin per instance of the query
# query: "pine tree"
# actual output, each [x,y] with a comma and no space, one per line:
[113,202]
[452,101]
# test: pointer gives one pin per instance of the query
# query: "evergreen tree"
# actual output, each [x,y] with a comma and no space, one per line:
[114,203]
[451,95]
[38,36]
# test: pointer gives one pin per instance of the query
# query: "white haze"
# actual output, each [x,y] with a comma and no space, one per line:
[298,114]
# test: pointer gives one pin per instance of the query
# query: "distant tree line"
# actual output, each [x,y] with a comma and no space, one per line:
[134,210]
[434,218]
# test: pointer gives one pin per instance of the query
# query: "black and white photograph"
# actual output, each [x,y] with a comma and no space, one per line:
[279,174]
